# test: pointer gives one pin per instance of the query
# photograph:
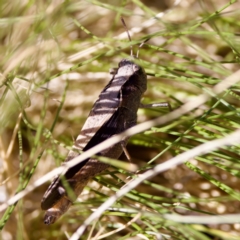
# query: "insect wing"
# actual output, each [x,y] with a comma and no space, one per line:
[101,116]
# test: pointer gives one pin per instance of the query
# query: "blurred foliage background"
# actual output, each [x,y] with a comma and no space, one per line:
[55,60]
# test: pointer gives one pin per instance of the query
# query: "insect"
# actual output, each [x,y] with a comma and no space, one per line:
[114,111]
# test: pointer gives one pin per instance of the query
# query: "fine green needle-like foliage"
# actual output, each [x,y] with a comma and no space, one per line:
[55,60]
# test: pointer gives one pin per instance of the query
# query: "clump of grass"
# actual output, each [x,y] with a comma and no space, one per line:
[55,59]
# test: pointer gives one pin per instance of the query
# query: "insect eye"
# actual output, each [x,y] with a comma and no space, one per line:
[136,68]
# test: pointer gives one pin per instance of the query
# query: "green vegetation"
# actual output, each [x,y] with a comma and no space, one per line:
[55,60]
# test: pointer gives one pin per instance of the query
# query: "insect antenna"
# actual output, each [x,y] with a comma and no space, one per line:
[129,37]
[141,46]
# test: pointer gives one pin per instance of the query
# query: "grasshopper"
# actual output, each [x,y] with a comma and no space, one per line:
[114,111]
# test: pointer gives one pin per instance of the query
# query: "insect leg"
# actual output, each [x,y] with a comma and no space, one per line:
[153,105]
[113,71]
[125,151]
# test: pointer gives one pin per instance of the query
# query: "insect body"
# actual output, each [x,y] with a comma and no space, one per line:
[113,112]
